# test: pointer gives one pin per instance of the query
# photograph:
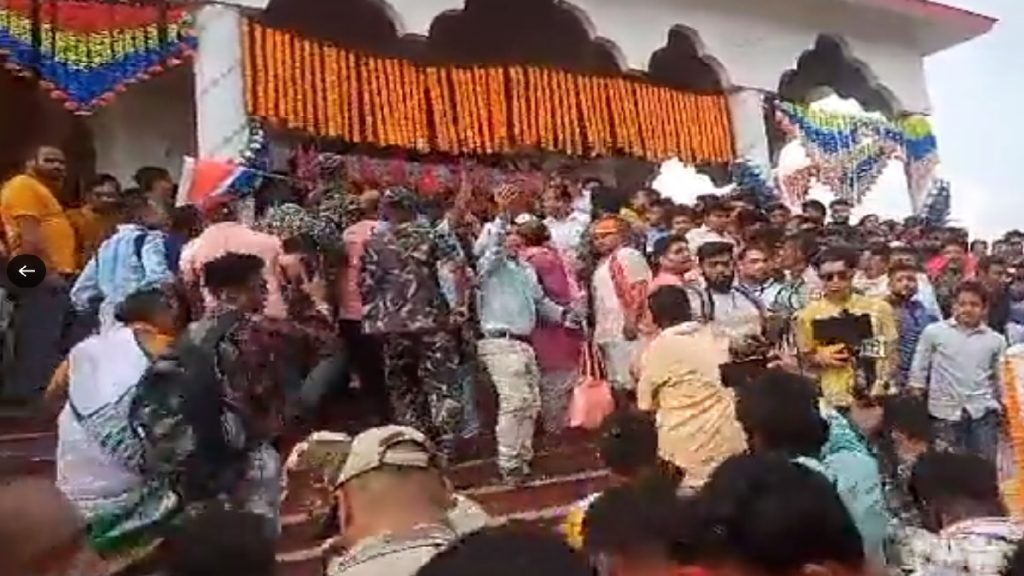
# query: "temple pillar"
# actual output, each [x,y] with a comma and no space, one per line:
[749,133]
[221,120]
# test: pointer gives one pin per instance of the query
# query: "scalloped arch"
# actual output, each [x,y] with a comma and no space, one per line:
[830,64]
[683,63]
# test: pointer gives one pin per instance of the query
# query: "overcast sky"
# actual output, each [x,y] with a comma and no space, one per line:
[977,92]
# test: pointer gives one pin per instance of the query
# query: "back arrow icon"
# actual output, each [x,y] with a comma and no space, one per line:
[25,271]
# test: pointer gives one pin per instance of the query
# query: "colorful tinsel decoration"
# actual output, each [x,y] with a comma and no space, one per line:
[852,150]
[85,53]
[749,177]
[937,204]
[256,157]
[321,89]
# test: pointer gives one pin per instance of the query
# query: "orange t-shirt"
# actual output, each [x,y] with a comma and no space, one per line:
[26,196]
[91,229]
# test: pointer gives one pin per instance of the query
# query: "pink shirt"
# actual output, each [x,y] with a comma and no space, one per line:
[354,238]
[224,237]
[556,347]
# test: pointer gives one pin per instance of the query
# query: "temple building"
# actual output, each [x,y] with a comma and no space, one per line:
[122,84]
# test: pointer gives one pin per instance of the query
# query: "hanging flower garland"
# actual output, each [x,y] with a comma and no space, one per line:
[89,51]
[851,151]
[1015,427]
[332,92]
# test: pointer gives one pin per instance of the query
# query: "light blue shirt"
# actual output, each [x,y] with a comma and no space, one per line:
[509,295]
[118,269]
[960,368]
[926,295]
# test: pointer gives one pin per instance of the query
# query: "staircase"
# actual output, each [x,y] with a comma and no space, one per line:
[564,472]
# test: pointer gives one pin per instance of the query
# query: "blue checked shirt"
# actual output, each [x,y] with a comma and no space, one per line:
[120,268]
[912,318]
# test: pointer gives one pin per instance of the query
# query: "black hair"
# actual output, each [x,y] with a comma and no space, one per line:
[880,249]
[806,242]
[986,263]
[683,210]
[714,249]
[605,200]
[662,244]
[897,267]
[842,254]
[629,442]
[147,176]
[669,305]
[840,202]
[775,516]
[781,411]
[813,205]
[942,480]
[232,270]
[142,306]
[972,287]
[186,220]
[136,204]
[221,542]
[753,247]
[715,204]
[102,180]
[639,519]
[508,550]
[954,241]
[776,207]
[908,416]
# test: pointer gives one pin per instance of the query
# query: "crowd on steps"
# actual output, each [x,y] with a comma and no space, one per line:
[771,391]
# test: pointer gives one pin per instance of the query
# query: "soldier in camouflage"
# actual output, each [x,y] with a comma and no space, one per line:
[404,304]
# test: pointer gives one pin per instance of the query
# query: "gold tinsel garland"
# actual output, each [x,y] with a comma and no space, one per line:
[332,92]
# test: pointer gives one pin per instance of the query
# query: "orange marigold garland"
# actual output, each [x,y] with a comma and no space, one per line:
[1015,426]
[339,93]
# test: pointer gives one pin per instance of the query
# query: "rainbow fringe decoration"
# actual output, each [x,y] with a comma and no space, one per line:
[852,150]
[85,53]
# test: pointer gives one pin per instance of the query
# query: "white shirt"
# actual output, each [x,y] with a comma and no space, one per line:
[101,369]
[608,311]
[567,233]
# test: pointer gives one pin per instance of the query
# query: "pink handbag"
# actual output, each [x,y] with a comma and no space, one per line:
[592,398]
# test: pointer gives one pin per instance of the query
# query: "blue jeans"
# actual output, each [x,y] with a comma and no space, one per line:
[971,435]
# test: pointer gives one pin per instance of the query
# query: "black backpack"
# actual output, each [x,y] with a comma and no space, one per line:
[178,413]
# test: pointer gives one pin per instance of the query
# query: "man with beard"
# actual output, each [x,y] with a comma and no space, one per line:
[911,316]
[36,224]
[728,306]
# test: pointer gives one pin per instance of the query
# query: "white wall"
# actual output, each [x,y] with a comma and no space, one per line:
[151,124]
[755,40]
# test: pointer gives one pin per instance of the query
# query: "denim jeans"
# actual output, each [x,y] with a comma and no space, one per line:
[971,435]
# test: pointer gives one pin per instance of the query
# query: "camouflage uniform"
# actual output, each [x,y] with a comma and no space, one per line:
[404,304]
[393,554]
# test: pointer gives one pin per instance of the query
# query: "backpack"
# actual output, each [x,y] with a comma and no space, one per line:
[178,413]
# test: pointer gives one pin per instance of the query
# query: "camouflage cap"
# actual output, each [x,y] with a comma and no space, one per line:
[387,446]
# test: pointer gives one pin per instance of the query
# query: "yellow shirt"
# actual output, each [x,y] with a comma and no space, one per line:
[26,196]
[680,381]
[837,383]
[91,229]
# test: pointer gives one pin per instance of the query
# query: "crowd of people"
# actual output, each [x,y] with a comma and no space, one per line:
[795,392]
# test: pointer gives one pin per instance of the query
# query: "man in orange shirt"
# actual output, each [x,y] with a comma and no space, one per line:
[98,218]
[35,223]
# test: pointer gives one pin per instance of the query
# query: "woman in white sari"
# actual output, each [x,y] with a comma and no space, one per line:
[99,458]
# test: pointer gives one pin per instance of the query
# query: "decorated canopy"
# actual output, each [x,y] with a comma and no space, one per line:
[85,52]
